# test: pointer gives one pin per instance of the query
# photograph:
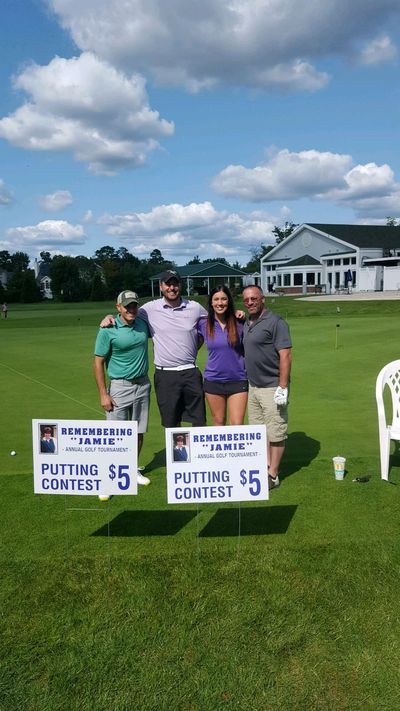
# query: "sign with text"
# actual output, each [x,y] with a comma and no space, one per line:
[217,464]
[84,457]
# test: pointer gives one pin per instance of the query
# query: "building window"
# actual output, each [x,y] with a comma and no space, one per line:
[346,260]
[279,280]
[354,278]
[297,279]
[286,280]
[337,262]
[273,267]
[337,280]
[310,278]
[330,278]
[353,260]
[268,269]
[330,262]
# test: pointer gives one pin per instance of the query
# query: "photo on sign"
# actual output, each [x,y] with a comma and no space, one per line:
[181,447]
[48,439]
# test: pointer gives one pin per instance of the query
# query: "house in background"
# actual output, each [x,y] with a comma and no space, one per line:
[201,278]
[42,277]
[326,258]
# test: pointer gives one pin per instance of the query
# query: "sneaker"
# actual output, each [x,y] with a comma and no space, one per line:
[143,480]
[273,482]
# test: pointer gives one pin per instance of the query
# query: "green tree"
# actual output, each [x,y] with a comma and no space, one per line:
[219,260]
[98,290]
[156,257]
[195,260]
[107,258]
[30,292]
[257,253]
[105,254]
[282,232]
[392,222]
[45,257]
[5,260]
[19,261]
[20,285]
[65,281]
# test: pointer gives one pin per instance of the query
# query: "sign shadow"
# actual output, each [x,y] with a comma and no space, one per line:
[257,521]
[146,523]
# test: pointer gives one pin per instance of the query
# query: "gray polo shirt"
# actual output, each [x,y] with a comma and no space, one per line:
[262,340]
[173,330]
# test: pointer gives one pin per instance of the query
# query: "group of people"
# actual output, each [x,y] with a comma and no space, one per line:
[248,363]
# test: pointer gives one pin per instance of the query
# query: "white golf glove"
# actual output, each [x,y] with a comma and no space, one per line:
[281,396]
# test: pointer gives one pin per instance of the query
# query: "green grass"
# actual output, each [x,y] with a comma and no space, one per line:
[173,611]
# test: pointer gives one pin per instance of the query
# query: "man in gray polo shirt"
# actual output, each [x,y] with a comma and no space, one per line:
[268,358]
[178,382]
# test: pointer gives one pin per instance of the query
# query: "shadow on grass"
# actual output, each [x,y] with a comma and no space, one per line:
[300,451]
[147,523]
[257,521]
[157,462]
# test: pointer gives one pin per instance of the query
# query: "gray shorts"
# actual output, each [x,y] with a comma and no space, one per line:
[262,410]
[132,399]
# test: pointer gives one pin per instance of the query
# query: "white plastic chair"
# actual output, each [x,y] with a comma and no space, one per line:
[390,376]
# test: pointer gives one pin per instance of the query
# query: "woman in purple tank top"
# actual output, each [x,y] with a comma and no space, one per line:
[225,378]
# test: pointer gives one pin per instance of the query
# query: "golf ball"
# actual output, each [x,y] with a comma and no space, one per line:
[13,452]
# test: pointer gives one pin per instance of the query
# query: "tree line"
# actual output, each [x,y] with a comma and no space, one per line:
[100,277]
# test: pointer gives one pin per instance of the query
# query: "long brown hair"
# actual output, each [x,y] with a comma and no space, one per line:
[230,318]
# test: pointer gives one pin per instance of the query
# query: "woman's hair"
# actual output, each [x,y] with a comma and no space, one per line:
[230,318]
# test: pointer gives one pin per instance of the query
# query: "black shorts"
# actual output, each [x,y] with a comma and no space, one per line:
[180,397]
[229,387]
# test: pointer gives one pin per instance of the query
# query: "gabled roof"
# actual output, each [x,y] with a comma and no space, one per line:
[305,260]
[212,269]
[380,236]
[44,271]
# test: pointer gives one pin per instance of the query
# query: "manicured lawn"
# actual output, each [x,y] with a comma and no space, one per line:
[172,610]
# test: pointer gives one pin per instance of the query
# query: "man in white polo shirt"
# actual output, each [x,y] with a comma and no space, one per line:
[178,382]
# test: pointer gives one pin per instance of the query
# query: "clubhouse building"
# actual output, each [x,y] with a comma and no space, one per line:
[325,258]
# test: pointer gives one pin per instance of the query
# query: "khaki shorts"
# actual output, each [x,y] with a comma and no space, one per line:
[262,410]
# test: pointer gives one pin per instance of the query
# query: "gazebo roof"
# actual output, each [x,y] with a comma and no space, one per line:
[212,269]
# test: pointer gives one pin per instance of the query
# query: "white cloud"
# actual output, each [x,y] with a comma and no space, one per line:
[368,189]
[54,202]
[48,233]
[180,231]
[163,218]
[378,51]
[285,176]
[88,216]
[5,195]
[86,106]
[365,181]
[262,43]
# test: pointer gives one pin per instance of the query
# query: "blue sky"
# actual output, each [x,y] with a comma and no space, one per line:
[191,127]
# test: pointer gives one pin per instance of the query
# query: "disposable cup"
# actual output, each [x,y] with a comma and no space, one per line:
[339,464]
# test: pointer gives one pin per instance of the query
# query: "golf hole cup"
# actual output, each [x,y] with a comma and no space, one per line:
[338,467]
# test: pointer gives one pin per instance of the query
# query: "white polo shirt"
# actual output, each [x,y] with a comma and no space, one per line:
[173,330]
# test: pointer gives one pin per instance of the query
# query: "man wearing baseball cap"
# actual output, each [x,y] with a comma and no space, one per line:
[122,350]
[178,382]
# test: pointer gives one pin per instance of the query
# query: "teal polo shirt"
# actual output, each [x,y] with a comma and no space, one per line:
[125,349]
